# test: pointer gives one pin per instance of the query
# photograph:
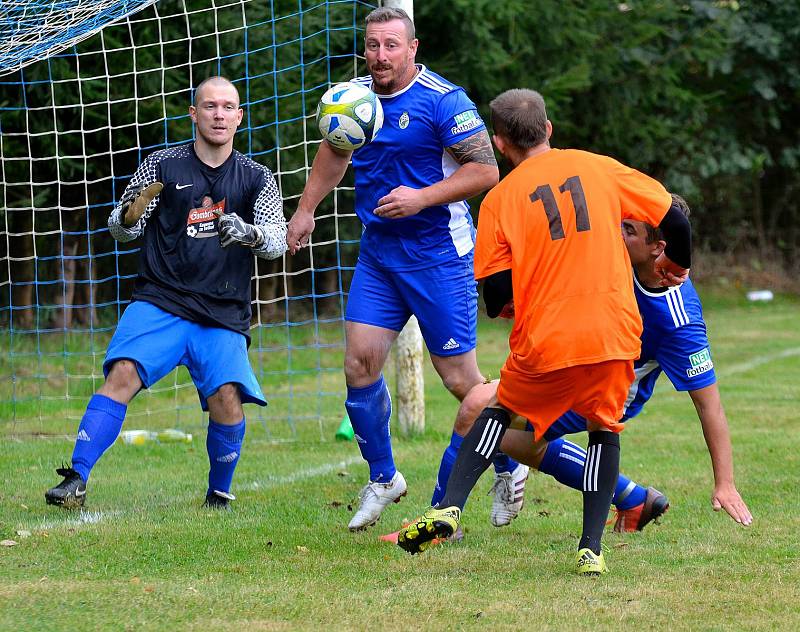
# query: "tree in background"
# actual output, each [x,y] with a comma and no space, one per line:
[701,94]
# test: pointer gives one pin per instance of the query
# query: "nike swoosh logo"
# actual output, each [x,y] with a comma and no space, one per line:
[183,186]
[80,493]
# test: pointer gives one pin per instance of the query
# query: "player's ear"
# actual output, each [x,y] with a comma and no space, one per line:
[193,113]
[549,128]
[657,247]
[499,142]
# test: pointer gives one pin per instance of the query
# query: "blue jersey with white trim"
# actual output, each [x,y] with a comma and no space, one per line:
[419,123]
[674,340]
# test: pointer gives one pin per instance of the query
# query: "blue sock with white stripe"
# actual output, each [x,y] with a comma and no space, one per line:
[224,446]
[369,409]
[563,460]
[98,430]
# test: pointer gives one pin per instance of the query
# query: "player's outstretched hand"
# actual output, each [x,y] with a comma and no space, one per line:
[234,230]
[136,199]
[669,271]
[299,231]
[728,498]
[401,202]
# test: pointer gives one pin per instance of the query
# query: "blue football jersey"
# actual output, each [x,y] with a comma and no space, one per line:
[674,341]
[420,122]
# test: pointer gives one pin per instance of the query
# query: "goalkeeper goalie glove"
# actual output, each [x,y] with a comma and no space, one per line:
[234,230]
[135,200]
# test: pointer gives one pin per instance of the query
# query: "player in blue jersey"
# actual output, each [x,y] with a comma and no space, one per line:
[204,210]
[674,342]
[431,154]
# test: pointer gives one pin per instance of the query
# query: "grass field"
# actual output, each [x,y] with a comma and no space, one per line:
[145,556]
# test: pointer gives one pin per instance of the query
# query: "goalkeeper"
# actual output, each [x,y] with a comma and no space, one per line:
[204,210]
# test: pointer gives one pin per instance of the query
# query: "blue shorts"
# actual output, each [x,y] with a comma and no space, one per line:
[569,423]
[158,341]
[443,298]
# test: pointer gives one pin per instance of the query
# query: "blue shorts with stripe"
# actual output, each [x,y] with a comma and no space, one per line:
[569,423]
[444,299]
[157,341]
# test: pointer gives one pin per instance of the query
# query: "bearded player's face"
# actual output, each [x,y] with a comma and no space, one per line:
[390,56]
[217,114]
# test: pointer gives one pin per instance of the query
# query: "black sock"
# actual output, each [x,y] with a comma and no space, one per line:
[475,455]
[600,472]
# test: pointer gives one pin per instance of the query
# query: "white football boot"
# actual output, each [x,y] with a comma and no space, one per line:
[374,498]
[508,490]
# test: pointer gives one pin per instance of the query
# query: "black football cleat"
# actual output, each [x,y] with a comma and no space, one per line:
[219,500]
[69,493]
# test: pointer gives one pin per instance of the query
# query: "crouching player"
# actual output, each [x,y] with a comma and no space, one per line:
[674,342]
[204,210]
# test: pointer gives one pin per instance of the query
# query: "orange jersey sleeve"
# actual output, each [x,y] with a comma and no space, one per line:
[555,220]
[641,197]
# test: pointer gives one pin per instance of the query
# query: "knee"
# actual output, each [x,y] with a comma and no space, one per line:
[477,398]
[123,381]
[468,412]
[360,369]
[225,406]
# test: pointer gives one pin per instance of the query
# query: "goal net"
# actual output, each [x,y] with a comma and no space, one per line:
[88,88]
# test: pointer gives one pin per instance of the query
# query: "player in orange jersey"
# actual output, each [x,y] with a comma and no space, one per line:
[549,238]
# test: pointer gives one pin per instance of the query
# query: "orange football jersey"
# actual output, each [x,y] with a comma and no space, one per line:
[555,221]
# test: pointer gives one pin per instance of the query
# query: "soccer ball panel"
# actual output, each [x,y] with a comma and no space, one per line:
[349,115]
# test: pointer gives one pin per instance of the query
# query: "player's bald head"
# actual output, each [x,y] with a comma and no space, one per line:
[213,82]
[519,116]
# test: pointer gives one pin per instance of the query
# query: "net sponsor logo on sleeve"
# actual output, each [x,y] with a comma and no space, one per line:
[201,222]
[700,363]
[465,122]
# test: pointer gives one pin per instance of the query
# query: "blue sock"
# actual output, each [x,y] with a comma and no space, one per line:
[98,429]
[564,460]
[504,463]
[628,494]
[369,409]
[224,446]
[445,467]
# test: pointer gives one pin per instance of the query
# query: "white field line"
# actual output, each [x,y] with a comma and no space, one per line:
[279,481]
[743,367]
[84,518]
[75,520]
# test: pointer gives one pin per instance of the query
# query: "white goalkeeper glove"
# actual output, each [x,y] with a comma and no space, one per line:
[135,200]
[234,230]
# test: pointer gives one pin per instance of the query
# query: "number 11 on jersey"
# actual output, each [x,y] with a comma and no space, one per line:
[545,194]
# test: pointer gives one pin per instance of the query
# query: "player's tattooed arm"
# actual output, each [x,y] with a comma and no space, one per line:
[476,148]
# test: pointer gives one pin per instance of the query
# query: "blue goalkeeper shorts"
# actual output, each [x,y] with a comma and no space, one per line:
[157,341]
[444,299]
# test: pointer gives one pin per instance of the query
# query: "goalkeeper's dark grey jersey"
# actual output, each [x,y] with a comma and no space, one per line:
[183,269]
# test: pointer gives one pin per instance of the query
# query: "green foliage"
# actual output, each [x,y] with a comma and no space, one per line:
[701,94]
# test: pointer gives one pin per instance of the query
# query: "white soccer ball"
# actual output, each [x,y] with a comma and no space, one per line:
[349,115]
